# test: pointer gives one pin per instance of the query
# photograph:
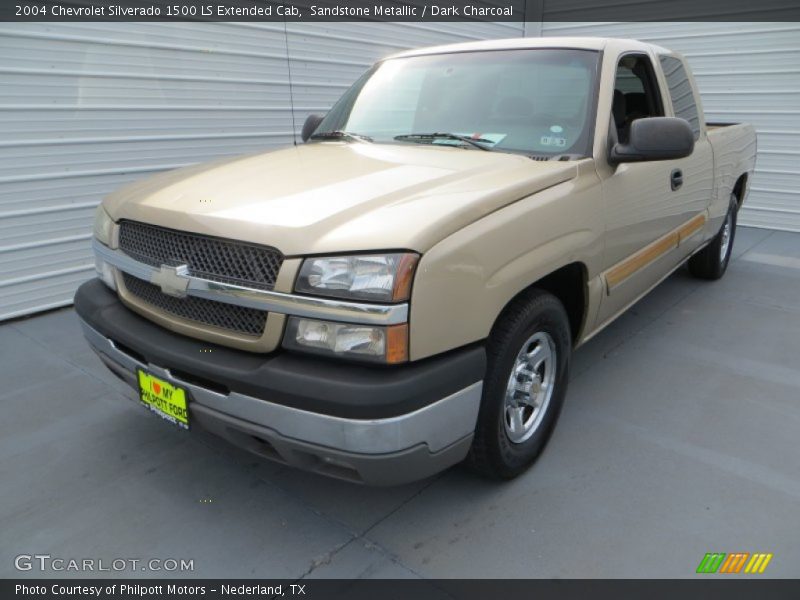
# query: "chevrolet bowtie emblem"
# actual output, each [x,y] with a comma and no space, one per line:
[173,281]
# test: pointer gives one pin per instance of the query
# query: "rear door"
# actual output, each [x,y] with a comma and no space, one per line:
[697,170]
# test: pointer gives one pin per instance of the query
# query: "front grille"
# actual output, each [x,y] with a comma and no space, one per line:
[248,321]
[226,261]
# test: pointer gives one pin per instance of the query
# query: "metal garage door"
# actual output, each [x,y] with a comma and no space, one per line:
[745,72]
[86,107]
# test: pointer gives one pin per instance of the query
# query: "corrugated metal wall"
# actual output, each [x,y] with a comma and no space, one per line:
[87,107]
[746,72]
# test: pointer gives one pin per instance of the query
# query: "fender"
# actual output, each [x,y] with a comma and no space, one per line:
[465,281]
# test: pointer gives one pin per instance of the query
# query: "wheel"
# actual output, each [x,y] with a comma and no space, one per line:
[528,356]
[712,261]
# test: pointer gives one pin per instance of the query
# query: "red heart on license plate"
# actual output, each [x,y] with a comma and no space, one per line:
[156,388]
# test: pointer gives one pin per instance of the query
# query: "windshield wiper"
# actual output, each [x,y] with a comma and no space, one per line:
[340,135]
[425,137]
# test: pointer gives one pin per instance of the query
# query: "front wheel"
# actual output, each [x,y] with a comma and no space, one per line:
[712,261]
[528,355]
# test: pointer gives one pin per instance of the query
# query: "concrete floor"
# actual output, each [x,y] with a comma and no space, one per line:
[680,436]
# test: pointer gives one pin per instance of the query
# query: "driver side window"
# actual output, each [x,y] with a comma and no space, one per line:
[636,93]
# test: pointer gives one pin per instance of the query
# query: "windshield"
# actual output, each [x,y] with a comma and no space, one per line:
[534,101]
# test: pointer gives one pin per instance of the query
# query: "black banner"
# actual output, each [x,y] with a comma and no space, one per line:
[386,589]
[310,11]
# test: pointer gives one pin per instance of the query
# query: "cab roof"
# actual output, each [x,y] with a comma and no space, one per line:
[575,43]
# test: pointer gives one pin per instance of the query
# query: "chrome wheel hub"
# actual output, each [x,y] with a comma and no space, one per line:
[726,237]
[530,387]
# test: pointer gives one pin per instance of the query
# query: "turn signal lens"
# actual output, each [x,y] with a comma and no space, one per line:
[397,344]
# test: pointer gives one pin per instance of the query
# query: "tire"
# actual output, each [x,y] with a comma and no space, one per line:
[712,261]
[532,328]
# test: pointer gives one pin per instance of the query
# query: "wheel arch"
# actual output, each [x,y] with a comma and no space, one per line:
[569,285]
[739,189]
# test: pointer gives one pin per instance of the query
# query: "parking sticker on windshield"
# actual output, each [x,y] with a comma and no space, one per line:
[552,140]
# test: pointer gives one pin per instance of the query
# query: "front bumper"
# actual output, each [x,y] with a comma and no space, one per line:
[374,425]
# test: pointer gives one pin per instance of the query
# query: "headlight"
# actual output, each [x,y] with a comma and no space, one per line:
[105,272]
[376,277]
[364,342]
[103,225]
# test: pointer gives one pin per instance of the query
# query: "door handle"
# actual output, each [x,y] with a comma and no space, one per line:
[676,179]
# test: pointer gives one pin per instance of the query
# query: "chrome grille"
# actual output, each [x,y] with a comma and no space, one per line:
[226,261]
[248,321]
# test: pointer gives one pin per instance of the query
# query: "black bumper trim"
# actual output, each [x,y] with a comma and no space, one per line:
[310,383]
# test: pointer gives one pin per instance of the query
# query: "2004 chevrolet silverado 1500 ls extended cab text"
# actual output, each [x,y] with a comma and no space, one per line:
[404,290]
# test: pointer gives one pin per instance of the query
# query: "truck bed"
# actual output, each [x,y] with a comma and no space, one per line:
[734,150]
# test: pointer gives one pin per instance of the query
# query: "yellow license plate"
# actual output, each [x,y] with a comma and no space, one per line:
[166,400]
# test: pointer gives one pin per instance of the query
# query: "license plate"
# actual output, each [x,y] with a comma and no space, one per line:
[166,400]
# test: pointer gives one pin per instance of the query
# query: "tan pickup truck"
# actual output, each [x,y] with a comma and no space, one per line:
[403,291]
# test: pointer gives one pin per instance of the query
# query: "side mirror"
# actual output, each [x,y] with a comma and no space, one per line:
[655,138]
[311,124]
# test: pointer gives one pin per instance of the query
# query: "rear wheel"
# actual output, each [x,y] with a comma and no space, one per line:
[528,356]
[712,261]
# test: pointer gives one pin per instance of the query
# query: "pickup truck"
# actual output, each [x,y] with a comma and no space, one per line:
[404,290]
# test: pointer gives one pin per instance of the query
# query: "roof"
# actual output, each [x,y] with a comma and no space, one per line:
[579,43]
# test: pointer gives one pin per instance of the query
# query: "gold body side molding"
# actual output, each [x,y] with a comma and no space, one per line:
[652,252]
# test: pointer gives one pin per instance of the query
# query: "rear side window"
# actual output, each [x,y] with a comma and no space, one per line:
[680,90]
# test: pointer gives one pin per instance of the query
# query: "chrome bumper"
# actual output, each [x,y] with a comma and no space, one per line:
[374,451]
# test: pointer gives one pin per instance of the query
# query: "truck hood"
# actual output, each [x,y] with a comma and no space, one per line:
[338,197]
